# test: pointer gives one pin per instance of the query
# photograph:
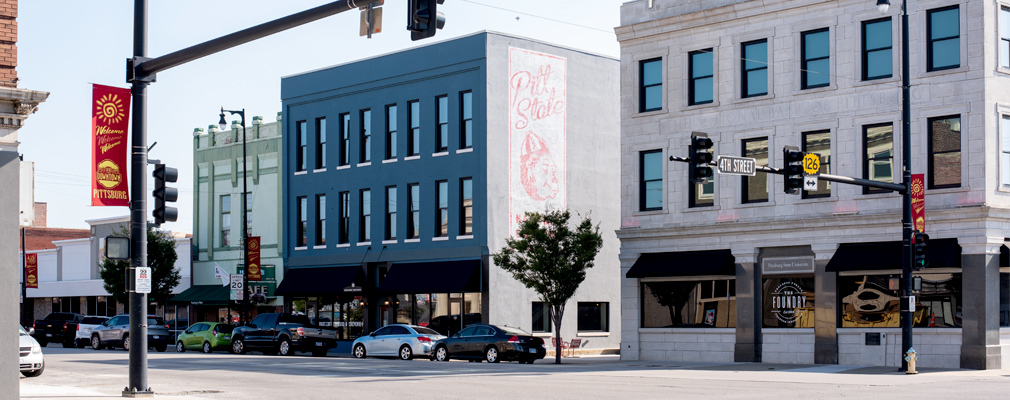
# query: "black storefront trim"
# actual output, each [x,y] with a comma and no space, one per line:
[207,295]
[458,276]
[875,256]
[318,281]
[684,263]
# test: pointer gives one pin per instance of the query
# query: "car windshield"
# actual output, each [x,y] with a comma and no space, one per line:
[224,328]
[514,331]
[425,331]
[93,320]
[21,330]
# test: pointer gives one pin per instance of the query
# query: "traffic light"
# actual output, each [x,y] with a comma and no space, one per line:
[423,18]
[163,194]
[792,157]
[919,240]
[701,154]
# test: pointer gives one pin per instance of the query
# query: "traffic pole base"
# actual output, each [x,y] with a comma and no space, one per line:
[127,392]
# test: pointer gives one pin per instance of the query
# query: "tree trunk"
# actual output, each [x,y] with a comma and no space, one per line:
[556,313]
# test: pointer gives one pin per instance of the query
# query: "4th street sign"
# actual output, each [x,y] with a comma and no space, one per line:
[736,165]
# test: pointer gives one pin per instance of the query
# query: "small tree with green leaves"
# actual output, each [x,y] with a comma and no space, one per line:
[551,258]
[161,258]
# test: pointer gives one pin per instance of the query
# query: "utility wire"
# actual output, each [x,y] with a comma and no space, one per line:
[537,16]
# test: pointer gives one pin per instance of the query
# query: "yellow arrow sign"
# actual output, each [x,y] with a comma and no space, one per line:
[811,163]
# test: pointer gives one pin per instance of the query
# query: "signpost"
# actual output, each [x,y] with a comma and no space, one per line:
[237,287]
[810,182]
[143,283]
[729,165]
[811,163]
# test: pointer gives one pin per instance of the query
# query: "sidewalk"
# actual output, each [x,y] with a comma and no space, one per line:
[36,391]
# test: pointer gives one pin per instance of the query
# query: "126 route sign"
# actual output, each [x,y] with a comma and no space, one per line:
[811,163]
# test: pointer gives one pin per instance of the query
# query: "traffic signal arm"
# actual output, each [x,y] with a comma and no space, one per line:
[896,187]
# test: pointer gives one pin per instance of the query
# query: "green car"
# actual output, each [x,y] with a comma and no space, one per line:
[205,336]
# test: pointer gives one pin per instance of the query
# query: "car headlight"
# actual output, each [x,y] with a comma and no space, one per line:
[36,348]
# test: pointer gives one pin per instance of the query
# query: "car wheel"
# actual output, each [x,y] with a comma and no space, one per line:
[126,342]
[441,353]
[359,351]
[32,374]
[406,353]
[179,347]
[237,346]
[284,348]
[96,343]
[161,347]
[207,348]
[491,354]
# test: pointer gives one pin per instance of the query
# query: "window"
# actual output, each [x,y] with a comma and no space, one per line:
[302,211]
[944,33]
[594,316]
[1004,37]
[466,127]
[320,143]
[466,206]
[442,138]
[650,89]
[702,81]
[877,49]
[650,188]
[320,220]
[303,149]
[248,214]
[365,219]
[414,139]
[1005,150]
[945,152]
[702,194]
[414,198]
[366,136]
[689,304]
[345,140]
[391,213]
[788,302]
[541,317]
[819,143]
[226,220]
[344,233]
[1004,299]
[867,301]
[755,68]
[442,208]
[878,140]
[755,188]
[815,67]
[391,132]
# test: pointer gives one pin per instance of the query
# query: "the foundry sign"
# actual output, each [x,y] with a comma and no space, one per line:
[787,265]
[786,299]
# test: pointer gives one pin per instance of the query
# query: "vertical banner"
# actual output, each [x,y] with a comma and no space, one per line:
[919,202]
[252,248]
[110,120]
[31,270]
[537,129]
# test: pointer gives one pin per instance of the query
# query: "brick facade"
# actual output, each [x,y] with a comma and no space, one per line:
[8,43]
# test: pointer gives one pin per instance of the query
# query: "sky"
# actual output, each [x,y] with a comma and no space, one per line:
[66,46]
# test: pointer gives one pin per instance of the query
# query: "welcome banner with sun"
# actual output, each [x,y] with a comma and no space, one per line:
[110,120]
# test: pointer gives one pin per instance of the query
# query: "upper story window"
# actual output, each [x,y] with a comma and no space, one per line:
[344,230]
[301,236]
[650,186]
[414,222]
[945,152]
[466,206]
[320,220]
[320,143]
[755,188]
[877,60]
[878,165]
[1004,37]
[702,79]
[815,67]
[819,143]
[755,68]
[301,158]
[344,157]
[391,132]
[414,138]
[650,87]
[390,213]
[366,136]
[226,220]
[466,113]
[442,138]
[944,34]
[365,218]
[441,208]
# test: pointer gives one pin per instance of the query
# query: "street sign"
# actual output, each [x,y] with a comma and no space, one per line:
[237,287]
[729,165]
[810,183]
[143,280]
[911,304]
[811,163]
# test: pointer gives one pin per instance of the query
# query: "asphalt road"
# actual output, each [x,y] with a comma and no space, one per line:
[193,375]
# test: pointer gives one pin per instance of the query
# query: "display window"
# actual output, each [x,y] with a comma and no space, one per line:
[689,304]
[788,302]
[873,301]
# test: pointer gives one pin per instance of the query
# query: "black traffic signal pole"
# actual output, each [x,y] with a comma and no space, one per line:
[897,187]
[140,73]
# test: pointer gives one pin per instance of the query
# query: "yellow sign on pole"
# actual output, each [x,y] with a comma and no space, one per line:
[811,163]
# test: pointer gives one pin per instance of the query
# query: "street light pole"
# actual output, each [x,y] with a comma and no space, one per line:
[245,216]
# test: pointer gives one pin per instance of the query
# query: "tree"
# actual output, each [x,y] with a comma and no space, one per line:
[161,258]
[550,258]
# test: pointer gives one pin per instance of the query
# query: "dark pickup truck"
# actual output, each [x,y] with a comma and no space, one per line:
[57,327]
[284,334]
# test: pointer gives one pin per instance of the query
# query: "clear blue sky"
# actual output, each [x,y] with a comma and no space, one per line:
[65,46]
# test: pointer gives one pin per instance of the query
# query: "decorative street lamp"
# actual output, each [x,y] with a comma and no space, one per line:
[245,223]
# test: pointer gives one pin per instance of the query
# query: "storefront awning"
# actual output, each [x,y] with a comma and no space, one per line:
[317,281]
[684,263]
[941,253]
[208,295]
[458,276]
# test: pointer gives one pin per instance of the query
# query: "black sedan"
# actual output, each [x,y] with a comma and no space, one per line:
[491,343]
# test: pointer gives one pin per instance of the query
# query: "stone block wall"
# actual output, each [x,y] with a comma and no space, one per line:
[688,344]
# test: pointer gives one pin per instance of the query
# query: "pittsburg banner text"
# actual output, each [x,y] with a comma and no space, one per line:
[252,246]
[110,119]
[31,270]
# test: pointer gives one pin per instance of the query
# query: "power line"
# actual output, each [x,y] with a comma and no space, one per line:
[538,16]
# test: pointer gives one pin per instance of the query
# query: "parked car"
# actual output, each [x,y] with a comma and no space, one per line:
[404,341]
[83,334]
[30,354]
[284,334]
[491,343]
[116,332]
[59,327]
[205,336]
[449,324]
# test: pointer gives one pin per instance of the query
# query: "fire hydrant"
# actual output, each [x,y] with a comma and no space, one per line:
[911,357]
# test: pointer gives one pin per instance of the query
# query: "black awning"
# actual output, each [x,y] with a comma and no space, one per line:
[318,280]
[433,277]
[210,295]
[940,253]
[684,263]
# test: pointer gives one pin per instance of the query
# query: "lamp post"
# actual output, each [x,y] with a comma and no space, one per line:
[245,237]
[906,176]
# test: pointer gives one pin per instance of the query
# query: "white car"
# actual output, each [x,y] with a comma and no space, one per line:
[30,354]
[83,336]
[397,340]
